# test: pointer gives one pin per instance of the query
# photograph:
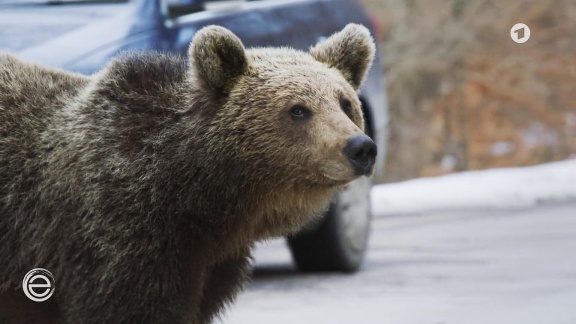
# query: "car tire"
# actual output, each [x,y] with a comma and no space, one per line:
[338,242]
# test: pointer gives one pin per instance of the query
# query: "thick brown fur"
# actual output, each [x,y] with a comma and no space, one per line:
[143,187]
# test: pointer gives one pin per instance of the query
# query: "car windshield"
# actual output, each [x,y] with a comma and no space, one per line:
[27,23]
[56,2]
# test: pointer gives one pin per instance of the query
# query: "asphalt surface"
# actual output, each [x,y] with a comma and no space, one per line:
[481,266]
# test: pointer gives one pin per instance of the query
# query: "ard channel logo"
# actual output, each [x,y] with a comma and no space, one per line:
[38,284]
[520,33]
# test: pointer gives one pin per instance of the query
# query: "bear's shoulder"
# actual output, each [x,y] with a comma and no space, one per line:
[145,72]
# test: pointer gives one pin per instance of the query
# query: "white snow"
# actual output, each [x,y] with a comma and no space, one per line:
[511,187]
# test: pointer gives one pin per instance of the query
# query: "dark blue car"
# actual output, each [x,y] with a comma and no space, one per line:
[84,35]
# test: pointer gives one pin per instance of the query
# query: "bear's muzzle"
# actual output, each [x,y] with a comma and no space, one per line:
[361,152]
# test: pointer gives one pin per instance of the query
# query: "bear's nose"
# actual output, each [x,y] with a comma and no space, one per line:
[361,151]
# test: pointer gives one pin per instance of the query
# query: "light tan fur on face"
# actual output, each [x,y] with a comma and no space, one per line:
[317,143]
[304,157]
[278,79]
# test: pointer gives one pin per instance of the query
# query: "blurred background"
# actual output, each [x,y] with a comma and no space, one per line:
[463,96]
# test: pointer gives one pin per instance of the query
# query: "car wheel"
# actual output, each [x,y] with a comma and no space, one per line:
[338,242]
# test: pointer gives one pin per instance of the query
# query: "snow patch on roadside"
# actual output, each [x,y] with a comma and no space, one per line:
[511,187]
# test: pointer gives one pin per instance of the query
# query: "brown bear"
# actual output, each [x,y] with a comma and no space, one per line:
[143,187]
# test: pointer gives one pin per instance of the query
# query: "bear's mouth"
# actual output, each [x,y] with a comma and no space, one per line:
[329,182]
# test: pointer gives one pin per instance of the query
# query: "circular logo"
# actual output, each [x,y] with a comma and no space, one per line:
[520,33]
[38,284]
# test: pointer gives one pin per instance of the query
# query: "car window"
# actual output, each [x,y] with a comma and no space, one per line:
[57,2]
[25,24]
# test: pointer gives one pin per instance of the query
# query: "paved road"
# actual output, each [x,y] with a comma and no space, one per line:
[484,266]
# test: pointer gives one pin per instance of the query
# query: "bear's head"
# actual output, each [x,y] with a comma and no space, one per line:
[292,117]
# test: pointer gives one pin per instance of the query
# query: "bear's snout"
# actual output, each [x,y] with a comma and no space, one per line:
[361,152]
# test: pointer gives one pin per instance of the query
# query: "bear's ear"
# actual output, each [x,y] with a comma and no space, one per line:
[351,51]
[217,57]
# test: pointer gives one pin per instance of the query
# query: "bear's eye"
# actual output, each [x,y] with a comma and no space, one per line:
[299,112]
[346,106]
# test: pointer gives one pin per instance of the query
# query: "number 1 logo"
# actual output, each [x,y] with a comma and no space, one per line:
[520,33]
